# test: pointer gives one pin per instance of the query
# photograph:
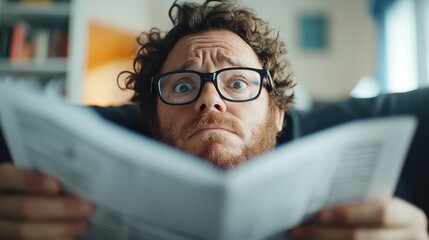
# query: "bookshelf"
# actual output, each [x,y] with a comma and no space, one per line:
[42,46]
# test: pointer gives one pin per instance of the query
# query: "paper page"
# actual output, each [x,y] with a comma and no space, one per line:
[355,162]
[140,187]
[147,190]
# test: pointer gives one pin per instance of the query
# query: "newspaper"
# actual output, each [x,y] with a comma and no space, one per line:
[144,189]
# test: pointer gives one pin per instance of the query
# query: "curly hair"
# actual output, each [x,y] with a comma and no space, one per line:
[190,18]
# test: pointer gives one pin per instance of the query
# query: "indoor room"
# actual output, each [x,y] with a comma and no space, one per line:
[215,119]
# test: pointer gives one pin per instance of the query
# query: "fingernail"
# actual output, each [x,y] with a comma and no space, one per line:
[51,185]
[86,208]
[326,217]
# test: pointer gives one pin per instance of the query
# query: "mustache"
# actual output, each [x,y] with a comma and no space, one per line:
[212,118]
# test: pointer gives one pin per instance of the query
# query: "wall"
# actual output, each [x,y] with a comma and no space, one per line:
[110,46]
[329,74]
[128,15]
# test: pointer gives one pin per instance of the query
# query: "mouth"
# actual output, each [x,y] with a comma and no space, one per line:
[207,128]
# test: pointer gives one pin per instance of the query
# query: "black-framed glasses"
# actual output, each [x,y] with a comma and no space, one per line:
[237,84]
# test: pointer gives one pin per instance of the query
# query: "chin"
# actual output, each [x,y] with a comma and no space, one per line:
[219,150]
[222,157]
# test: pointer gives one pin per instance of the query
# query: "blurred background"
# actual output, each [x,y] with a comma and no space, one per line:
[75,49]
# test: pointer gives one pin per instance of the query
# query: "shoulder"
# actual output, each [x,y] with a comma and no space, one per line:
[127,115]
[301,123]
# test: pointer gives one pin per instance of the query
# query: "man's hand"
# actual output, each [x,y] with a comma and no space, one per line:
[392,219]
[31,207]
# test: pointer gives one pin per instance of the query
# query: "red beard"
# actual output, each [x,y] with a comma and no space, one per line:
[263,138]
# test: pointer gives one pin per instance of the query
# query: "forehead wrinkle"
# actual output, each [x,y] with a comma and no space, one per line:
[215,48]
[224,47]
[202,42]
[219,56]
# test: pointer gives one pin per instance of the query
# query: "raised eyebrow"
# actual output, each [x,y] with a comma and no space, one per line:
[192,62]
[188,64]
[232,62]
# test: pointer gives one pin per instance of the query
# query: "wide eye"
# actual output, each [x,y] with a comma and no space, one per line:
[182,88]
[239,84]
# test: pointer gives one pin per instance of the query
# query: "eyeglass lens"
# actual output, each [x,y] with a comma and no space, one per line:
[233,84]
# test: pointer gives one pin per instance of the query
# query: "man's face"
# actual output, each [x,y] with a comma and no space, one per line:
[222,132]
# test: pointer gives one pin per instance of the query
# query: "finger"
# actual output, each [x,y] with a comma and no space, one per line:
[312,232]
[391,213]
[14,230]
[18,180]
[42,208]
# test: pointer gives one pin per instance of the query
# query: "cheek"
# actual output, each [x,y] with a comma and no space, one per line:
[172,115]
[161,112]
[256,120]
[258,111]
[252,114]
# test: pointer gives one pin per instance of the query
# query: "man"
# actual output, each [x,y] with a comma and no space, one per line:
[212,87]
[207,96]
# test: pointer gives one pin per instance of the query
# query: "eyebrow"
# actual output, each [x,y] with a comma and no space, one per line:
[193,61]
[188,64]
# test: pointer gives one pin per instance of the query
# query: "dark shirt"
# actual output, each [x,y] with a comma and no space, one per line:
[414,178]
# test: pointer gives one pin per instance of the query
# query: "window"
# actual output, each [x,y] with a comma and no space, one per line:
[401,49]
[407,41]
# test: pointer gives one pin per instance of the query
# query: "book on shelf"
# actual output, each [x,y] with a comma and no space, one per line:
[41,45]
[55,42]
[26,43]
[5,39]
[64,45]
[18,41]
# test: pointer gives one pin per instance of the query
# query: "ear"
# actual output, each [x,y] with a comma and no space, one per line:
[279,115]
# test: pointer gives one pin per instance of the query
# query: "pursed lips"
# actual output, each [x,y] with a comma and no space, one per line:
[209,127]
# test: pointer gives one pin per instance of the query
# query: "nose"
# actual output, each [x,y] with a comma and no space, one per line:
[210,100]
